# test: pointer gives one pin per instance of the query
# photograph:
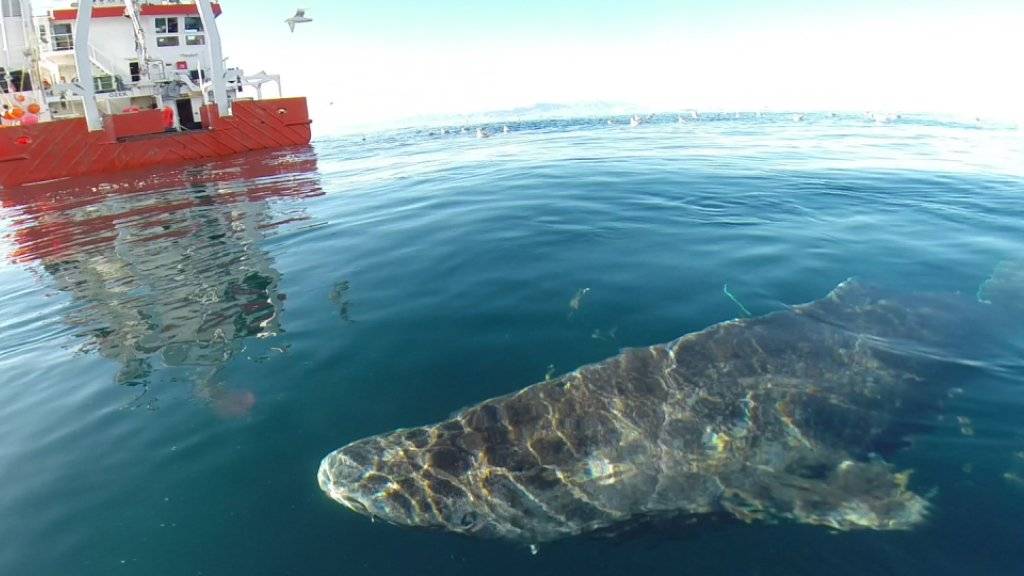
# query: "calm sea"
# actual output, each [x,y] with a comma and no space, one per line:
[178,350]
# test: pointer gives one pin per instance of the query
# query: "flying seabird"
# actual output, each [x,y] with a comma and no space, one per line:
[299,18]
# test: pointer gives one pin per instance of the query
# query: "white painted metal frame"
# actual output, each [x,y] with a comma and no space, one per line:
[220,93]
[85,87]
[258,80]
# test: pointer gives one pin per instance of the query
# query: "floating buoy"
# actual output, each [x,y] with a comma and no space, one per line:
[29,119]
[17,112]
[19,97]
[34,108]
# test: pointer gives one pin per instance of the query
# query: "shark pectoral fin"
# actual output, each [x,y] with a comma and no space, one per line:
[852,495]
[865,495]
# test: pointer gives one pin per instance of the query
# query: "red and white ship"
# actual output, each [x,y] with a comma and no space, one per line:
[105,86]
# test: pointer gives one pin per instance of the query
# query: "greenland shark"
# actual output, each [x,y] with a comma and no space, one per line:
[776,417]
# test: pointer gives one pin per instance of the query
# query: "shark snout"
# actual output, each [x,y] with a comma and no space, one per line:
[368,487]
[339,478]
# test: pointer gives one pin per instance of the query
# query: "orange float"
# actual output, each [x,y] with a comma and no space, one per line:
[33,108]
[19,97]
[17,112]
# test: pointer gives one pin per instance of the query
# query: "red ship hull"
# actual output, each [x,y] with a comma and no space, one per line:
[65,148]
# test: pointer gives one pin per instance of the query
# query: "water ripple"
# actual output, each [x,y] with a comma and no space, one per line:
[179,348]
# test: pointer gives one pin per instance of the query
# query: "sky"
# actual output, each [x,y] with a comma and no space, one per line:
[365,62]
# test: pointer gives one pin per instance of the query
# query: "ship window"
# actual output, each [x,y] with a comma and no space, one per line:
[21,81]
[193,24]
[195,39]
[163,41]
[103,83]
[62,38]
[167,26]
[135,70]
[12,8]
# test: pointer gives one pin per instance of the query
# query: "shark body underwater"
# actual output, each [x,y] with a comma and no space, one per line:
[776,417]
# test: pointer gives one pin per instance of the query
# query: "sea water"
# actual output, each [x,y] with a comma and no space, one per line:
[180,348]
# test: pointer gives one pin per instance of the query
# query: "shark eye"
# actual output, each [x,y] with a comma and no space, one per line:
[468,519]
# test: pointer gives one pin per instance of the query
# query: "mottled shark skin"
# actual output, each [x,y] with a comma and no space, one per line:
[773,417]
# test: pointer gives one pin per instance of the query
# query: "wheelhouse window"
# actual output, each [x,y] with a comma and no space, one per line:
[164,41]
[62,38]
[194,24]
[167,25]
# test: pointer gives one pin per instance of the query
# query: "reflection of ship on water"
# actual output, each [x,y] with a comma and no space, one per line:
[169,276]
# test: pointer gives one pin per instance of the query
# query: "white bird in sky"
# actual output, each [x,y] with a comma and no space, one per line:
[299,18]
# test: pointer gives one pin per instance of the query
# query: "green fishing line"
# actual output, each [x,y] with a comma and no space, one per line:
[725,288]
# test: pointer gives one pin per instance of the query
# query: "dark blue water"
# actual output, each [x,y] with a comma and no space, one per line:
[179,350]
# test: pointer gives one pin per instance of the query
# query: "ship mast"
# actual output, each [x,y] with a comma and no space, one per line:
[85,87]
[5,65]
[220,94]
[31,35]
[3,43]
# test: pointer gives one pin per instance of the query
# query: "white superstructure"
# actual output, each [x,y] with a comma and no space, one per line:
[141,54]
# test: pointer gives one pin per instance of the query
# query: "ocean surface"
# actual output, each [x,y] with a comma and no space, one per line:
[179,349]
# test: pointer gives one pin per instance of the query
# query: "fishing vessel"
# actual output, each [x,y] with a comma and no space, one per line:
[106,86]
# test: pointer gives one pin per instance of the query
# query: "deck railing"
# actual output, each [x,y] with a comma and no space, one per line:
[102,61]
[62,42]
